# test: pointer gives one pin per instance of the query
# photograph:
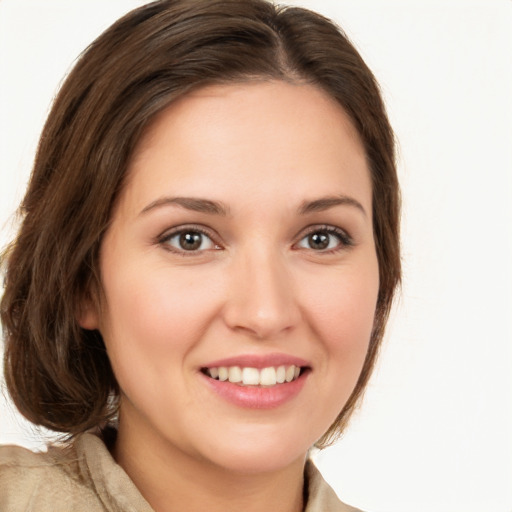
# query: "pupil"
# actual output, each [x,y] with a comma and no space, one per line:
[190,241]
[318,240]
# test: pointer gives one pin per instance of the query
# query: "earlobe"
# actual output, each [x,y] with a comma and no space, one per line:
[87,315]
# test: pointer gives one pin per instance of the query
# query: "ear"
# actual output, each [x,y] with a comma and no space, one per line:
[88,318]
[87,315]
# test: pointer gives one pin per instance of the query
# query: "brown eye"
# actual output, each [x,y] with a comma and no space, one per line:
[189,240]
[319,240]
[325,239]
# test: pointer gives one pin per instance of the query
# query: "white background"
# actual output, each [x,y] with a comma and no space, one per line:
[435,431]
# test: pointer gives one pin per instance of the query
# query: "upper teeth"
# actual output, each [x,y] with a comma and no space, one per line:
[269,376]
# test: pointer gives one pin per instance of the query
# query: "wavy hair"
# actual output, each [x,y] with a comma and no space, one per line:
[57,373]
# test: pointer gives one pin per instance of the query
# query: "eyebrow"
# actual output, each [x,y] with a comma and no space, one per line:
[190,203]
[217,208]
[324,203]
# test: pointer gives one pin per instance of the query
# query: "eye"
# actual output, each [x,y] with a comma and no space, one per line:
[325,239]
[188,240]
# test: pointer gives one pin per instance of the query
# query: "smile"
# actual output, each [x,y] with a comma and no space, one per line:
[248,376]
[257,381]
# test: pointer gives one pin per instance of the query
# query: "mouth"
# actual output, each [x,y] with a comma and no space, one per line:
[251,381]
[267,377]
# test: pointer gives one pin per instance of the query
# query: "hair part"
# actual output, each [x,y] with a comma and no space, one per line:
[57,373]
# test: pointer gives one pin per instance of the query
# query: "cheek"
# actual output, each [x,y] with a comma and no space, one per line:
[154,315]
[342,310]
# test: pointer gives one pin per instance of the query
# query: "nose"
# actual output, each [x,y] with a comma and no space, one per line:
[261,300]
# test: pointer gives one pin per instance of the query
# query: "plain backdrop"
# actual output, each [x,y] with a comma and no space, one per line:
[435,429]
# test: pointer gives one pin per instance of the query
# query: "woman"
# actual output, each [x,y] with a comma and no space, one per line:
[207,259]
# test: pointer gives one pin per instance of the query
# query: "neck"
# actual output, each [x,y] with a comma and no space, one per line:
[170,480]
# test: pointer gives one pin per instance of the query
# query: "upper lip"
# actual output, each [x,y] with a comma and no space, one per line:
[259,361]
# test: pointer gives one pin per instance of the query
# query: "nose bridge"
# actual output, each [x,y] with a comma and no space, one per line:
[261,301]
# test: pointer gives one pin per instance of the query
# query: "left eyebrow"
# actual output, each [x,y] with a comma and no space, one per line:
[196,204]
[324,203]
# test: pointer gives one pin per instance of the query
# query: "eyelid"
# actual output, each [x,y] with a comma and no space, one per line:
[346,241]
[170,233]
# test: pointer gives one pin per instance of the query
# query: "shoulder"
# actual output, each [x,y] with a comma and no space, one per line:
[81,476]
[49,481]
[321,497]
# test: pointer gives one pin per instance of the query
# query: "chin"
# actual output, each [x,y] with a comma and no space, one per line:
[259,450]
[252,462]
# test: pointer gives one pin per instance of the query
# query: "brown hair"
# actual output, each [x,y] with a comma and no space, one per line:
[57,373]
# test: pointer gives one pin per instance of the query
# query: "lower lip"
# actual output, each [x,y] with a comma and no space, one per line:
[256,397]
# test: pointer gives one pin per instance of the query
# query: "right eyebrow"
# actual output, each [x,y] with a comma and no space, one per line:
[324,203]
[195,204]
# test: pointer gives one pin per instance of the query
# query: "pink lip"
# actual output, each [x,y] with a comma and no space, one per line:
[255,397]
[259,361]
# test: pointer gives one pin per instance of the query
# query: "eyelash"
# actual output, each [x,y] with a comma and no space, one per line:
[345,240]
[165,238]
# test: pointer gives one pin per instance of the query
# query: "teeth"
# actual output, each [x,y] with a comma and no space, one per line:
[250,377]
[269,376]
[235,374]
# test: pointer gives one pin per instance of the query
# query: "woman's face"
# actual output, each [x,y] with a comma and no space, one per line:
[241,248]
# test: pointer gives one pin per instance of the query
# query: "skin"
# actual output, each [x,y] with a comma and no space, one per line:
[256,286]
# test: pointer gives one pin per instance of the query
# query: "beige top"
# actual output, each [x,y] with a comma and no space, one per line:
[85,477]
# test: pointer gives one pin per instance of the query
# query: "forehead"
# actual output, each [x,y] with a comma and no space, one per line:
[258,134]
